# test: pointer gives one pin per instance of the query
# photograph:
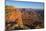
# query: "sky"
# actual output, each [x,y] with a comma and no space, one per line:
[22,4]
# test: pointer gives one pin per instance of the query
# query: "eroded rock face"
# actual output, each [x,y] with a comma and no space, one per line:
[14,15]
[20,18]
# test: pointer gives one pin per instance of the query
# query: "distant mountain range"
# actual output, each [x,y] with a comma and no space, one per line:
[38,11]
